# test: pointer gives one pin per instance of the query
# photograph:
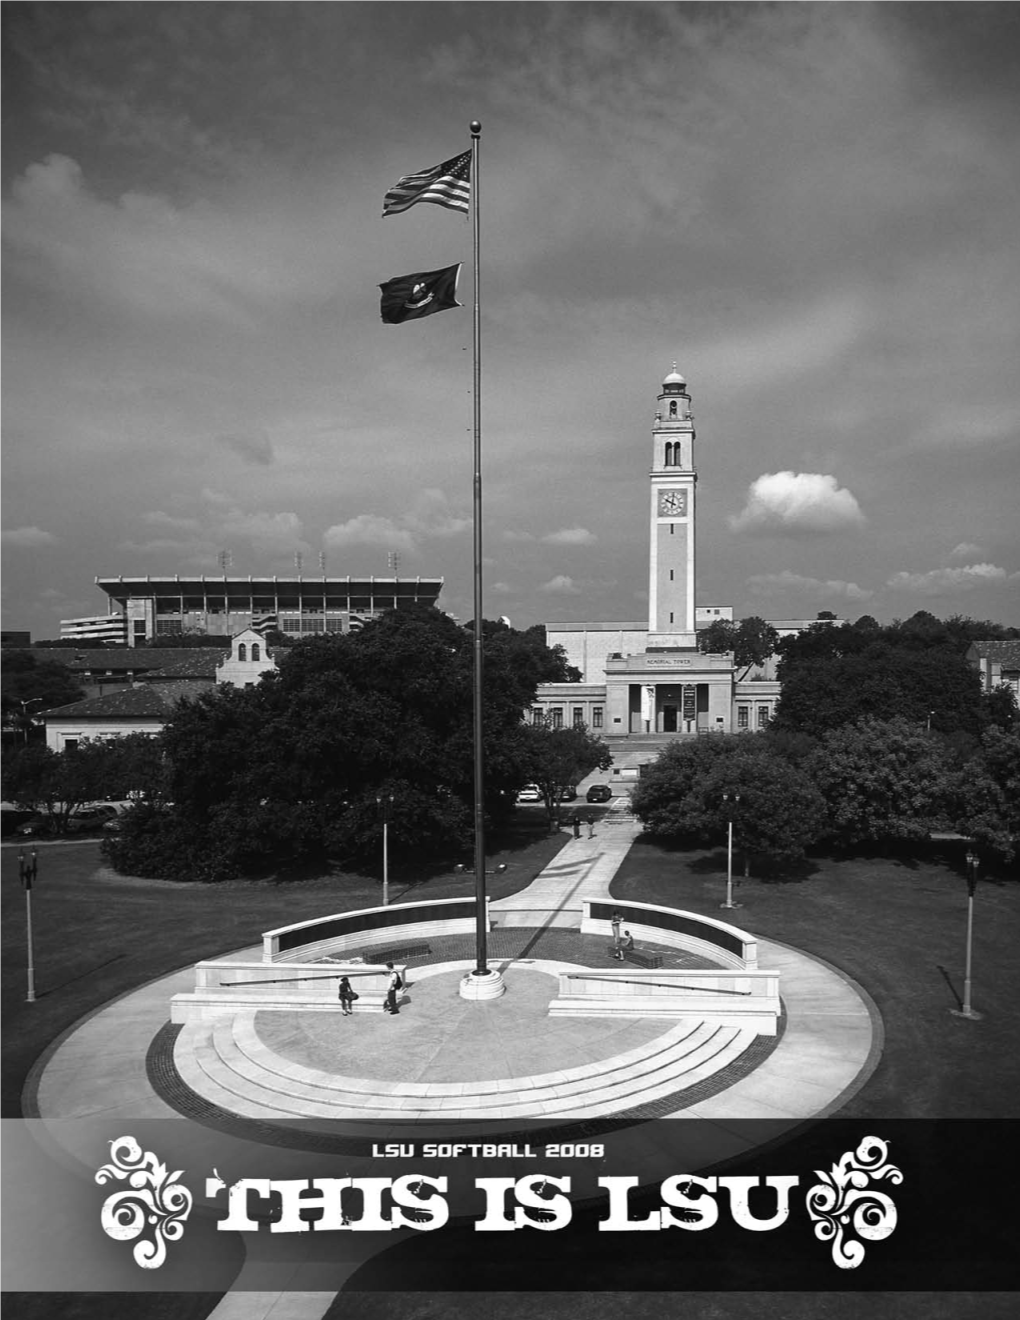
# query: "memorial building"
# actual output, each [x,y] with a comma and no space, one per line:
[648,681]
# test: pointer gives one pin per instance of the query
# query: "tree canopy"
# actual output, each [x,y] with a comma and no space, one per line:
[58,783]
[693,790]
[301,764]
[915,670]
[883,779]
[751,641]
[556,758]
[43,683]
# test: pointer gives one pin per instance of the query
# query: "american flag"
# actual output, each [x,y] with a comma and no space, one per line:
[448,184]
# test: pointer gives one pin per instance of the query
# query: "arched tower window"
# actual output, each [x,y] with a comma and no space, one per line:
[672,407]
[669,453]
[254,650]
[242,651]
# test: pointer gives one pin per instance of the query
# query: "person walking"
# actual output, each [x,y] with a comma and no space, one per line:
[577,825]
[591,825]
[393,985]
[346,995]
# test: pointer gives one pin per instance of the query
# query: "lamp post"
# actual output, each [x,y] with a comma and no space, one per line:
[930,714]
[729,850]
[26,723]
[385,803]
[972,873]
[27,869]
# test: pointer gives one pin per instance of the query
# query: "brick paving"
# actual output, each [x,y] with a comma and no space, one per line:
[553,943]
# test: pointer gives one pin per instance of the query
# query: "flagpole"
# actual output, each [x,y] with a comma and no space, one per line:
[482,983]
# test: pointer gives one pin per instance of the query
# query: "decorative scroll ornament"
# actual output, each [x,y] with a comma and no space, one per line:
[843,1198]
[152,1199]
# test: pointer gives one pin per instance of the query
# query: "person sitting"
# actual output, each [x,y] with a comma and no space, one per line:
[624,946]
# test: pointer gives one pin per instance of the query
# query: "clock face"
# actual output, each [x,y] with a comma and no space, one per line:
[672,503]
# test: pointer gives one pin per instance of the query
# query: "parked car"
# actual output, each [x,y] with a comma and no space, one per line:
[568,794]
[85,818]
[599,793]
[530,793]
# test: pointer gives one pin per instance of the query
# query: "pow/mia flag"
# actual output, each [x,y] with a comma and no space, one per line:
[408,297]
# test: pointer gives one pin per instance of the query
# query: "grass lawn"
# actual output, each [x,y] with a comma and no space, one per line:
[98,935]
[897,926]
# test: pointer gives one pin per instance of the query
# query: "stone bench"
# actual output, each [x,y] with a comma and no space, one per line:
[651,960]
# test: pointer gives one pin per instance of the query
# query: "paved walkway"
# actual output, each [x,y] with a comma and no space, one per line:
[829,1048]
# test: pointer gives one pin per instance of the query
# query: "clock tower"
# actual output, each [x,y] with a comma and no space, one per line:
[673,480]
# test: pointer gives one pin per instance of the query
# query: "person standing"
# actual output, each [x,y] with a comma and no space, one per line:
[346,995]
[393,985]
[577,825]
[591,825]
[616,921]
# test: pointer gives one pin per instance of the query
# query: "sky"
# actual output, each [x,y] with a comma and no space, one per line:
[813,209]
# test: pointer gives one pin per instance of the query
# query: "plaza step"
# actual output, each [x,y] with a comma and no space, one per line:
[226,1063]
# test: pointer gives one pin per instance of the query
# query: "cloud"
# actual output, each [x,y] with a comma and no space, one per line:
[806,339]
[514,536]
[775,584]
[560,585]
[797,503]
[167,521]
[28,537]
[194,551]
[430,515]
[370,529]
[253,447]
[964,550]
[220,524]
[939,581]
[167,260]
[570,536]
[279,533]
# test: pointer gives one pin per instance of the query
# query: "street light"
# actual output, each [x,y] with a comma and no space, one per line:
[930,714]
[972,873]
[27,869]
[729,851]
[26,723]
[384,804]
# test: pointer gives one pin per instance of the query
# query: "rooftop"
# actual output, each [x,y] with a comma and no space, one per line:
[129,703]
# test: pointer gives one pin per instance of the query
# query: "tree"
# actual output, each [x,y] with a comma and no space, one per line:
[1001,707]
[751,641]
[883,779]
[58,783]
[988,793]
[187,640]
[42,684]
[556,758]
[293,767]
[779,814]
[831,681]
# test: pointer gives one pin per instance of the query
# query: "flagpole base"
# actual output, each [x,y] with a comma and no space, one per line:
[482,985]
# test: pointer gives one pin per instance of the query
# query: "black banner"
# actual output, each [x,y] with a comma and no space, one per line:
[665,1205]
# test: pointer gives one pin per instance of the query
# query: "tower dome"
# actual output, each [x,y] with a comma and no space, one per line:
[674,378]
